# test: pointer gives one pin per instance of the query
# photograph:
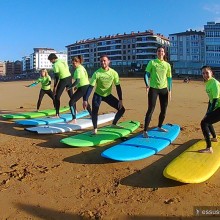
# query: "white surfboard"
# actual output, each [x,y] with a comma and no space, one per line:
[82,123]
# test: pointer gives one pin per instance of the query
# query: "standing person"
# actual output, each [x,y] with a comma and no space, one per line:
[159,72]
[213,112]
[45,81]
[104,78]
[62,79]
[81,85]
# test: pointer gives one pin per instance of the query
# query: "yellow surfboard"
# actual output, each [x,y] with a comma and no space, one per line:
[192,166]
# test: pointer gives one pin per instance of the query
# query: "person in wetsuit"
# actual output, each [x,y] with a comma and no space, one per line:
[159,72]
[45,81]
[81,85]
[62,79]
[104,78]
[212,115]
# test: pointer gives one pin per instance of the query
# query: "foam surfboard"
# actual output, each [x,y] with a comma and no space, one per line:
[82,123]
[48,120]
[139,147]
[42,113]
[192,166]
[105,135]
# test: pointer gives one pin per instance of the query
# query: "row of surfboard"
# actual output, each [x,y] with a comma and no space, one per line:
[189,167]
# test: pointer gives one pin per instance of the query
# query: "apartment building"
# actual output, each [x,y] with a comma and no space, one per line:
[18,67]
[190,50]
[187,52]
[26,64]
[9,65]
[135,49]
[39,59]
[212,42]
[2,68]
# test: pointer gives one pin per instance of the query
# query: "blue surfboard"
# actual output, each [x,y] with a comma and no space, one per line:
[50,120]
[138,147]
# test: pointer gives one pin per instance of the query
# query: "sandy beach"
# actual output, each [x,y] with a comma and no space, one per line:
[40,178]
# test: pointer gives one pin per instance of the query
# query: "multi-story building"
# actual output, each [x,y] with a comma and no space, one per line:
[39,59]
[135,49]
[2,68]
[26,64]
[18,67]
[9,65]
[212,42]
[187,52]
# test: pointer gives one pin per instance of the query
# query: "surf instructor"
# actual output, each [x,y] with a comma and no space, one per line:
[62,79]
[159,72]
[104,78]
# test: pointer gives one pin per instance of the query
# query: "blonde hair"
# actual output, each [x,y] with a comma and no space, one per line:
[45,71]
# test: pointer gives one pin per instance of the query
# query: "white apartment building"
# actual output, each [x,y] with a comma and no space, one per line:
[39,59]
[212,42]
[123,49]
[187,52]
[2,68]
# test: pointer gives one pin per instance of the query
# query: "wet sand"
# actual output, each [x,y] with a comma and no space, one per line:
[40,178]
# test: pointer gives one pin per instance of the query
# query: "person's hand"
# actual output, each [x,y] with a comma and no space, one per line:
[120,104]
[85,104]
[147,89]
[170,95]
[54,91]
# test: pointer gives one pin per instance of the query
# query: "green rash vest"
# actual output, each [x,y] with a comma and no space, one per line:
[61,69]
[81,73]
[212,87]
[104,80]
[159,71]
[44,82]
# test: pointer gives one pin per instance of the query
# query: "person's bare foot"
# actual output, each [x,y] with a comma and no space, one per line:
[116,126]
[145,134]
[162,129]
[94,132]
[56,116]
[214,139]
[72,121]
[206,150]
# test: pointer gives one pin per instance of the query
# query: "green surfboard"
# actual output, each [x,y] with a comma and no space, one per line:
[105,135]
[42,113]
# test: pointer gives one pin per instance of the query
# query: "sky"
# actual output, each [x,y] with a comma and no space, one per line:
[28,24]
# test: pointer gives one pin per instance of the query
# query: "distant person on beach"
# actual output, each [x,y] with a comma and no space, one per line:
[186,80]
[45,81]
[212,115]
[159,73]
[104,78]
[81,85]
[62,79]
